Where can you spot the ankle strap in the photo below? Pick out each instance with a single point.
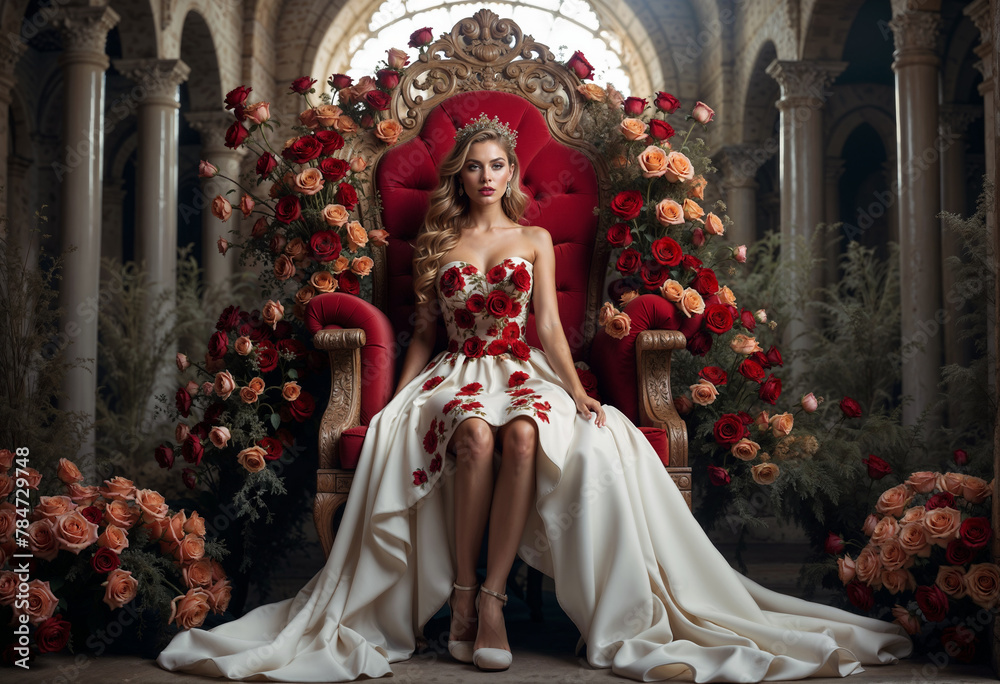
(502, 597)
(472, 588)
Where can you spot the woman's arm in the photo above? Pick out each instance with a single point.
(421, 346)
(549, 327)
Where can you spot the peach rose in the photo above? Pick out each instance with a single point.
(691, 302)
(951, 580)
(894, 500)
(221, 208)
(40, 604)
(982, 582)
(120, 514)
(653, 162)
(51, 507)
(323, 281)
(746, 450)
(328, 115)
(219, 594)
(672, 290)
(198, 574)
(345, 124)
(357, 236)
(340, 265)
(765, 473)
(869, 567)
(619, 326)
(182, 365)
(119, 488)
(693, 211)
(975, 489)
(284, 267)
(887, 528)
(195, 524)
(951, 483)
(290, 391)
(743, 344)
(224, 384)
(258, 112)
(82, 496)
(923, 481)
(388, 131)
(913, 537)
(305, 294)
(174, 529)
(379, 237)
(615, 98)
(702, 113)
(669, 213)
(362, 266)
(272, 313)
(893, 556)
(113, 538)
(6, 459)
(942, 525)
(906, 619)
(8, 587)
(679, 167)
(714, 226)
(246, 208)
(591, 91)
(252, 458)
(913, 514)
(782, 424)
(189, 610)
(308, 118)
(696, 188)
(633, 129)
(151, 504)
(358, 164)
(297, 250)
(898, 580)
(703, 393)
(191, 548)
(335, 214)
(607, 312)
(207, 389)
(243, 347)
(308, 182)
(627, 297)
(120, 588)
(219, 436)
(258, 385)
(74, 532)
(67, 472)
(42, 540)
(763, 421)
(726, 296)
(846, 569)
(248, 396)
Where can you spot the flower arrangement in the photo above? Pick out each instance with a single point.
(92, 551)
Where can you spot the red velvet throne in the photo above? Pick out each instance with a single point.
(487, 65)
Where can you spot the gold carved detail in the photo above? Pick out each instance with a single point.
(653, 350)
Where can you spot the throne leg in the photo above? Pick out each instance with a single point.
(332, 487)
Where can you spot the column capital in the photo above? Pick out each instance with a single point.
(804, 82)
(915, 33)
(84, 32)
(956, 118)
(158, 77)
(212, 125)
(740, 164)
(979, 12)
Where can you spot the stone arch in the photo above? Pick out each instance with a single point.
(198, 50)
(141, 37)
(958, 78)
(758, 98)
(856, 104)
(826, 24)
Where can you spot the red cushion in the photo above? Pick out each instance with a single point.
(560, 182)
(658, 439)
(334, 310)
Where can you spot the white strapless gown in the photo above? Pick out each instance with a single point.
(650, 594)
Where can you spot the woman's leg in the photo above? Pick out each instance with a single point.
(472, 443)
(512, 500)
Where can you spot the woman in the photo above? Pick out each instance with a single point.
(578, 493)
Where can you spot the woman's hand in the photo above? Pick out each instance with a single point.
(586, 404)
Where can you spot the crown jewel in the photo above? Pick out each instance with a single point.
(483, 122)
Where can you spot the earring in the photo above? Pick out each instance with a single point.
(508, 190)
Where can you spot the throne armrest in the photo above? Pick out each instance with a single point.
(653, 350)
(343, 411)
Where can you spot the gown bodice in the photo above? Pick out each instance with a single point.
(486, 313)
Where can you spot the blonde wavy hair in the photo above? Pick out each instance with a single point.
(449, 211)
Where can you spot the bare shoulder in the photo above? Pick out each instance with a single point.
(539, 238)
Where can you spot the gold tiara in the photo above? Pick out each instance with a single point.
(482, 123)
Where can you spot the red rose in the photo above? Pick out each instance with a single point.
(387, 79)
(228, 319)
(620, 235)
(378, 99)
(834, 544)
(190, 478)
(347, 195)
(760, 358)
(666, 251)
(666, 102)
(192, 449)
(511, 331)
(496, 274)
(747, 320)
(958, 553)
(419, 477)
(774, 356)
(499, 303)
(729, 429)
(464, 318)
(520, 350)
(700, 343)
(304, 149)
(517, 378)
(218, 345)
(52, 635)
(421, 37)
(719, 320)
(236, 134)
(287, 209)
(975, 532)
(660, 129)
(332, 169)
(340, 81)
(183, 401)
(654, 275)
(751, 370)
(579, 65)
(267, 356)
(705, 282)
(940, 500)
(331, 142)
(718, 476)
(627, 204)
(961, 457)
(92, 514)
(296, 347)
(266, 163)
(959, 641)
(303, 407)
(473, 347)
(851, 408)
(521, 279)
(861, 595)
(431, 439)
(475, 303)
(237, 96)
(770, 390)
(272, 448)
(432, 383)
(877, 468)
(714, 375)
(325, 245)
(691, 262)
(164, 456)
(213, 412)
(628, 262)
(697, 237)
(105, 560)
(933, 603)
(497, 347)
(348, 283)
(452, 281)
(302, 85)
(634, 106)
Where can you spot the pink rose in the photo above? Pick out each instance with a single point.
(40, 604)
(886, 529)
(258, 112)
(189, 610)
(923, 482)
(951, 580)
(42, 540)
(942, 525)
(702, 113)
(120, 588)
(224, 384)
(74, 532)
(68, 473)
(810, 403)
(869, 526)
(221, 208)
(906, 619)
(219, 436)
(894, 500)
(206, 169)
(846, 569)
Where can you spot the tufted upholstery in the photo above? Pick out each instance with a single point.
(561, 183)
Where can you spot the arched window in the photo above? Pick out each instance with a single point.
(563, 25)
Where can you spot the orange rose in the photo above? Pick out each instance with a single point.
(765, 473)
(713, 225)
(894, 500)
(309, 182)
(198, 573)
(691, 302)
(323, 281)
(40, 604)
(42, 540)
(898, 580)
(219, 594)
(619, 326)
(942, 525)
(290, 391)
(703, 393)
(113, 538)
(746, 450)
(120, 588)
(345, 124)
(388, 131)
(693, 211)
(191, 548)
(982, 582)
(308, 118)
(120, 514)
(305, 293)
(357, 236)
(379, 237)
(893, 556)
(83, 496)
(923, 482)
(975, 489)
(243, 347)
(221, 208)
(678, 167)
(195, 524)
(913, 537)
(328, 115)
(869, 567)
(284, 267)
(669, 213)
(628, 297)
(340, 265)
(869, 525)
(726, 296)
(272, 313)
(362, 266)
(174, 529)
(782, 424)
(951, 580)
(257, 385)
(224, 384)
(591, 92)
(914, 514)
(252, 458)
(358, 164)
(653, 162)
(742, 344)
(74, 532)
(51, 507)
(335, 214)
(118, 488)
(763, 421)
(6, 459)
(248, 396)
(68, 472)
(951, 483)
(906, 619)
(846, 569)
(607, 312)
(8, 587)
(696, 188)
(219, 436)
(633, 129)
(189, 610)
(297, 250)
(151, 504)
(615, 99)
(887, 528)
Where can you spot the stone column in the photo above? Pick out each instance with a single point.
(79, 170)
(890, 170)
(833, 169)
(739, 168)
(212, 127)
(111, 238)
(803, 92)
(10, 53)
(916, 66)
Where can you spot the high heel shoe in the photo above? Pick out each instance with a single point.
(461, 650)
(493, 659)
